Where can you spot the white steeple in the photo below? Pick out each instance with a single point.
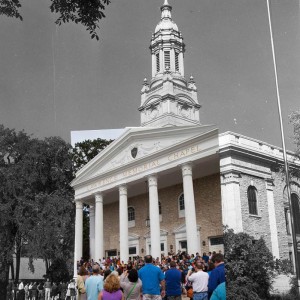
(168, 100)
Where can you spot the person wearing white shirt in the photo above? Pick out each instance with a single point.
(199, 280)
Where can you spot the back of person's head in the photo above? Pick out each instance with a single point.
(148, 259)
(106, 273)
(119, 270)
(217, 258)
(133, 275)
(173, 264)
(82, 271)
(199, 266)
(211, 266)
(95, 269)
(112, 283)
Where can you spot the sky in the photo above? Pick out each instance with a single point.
(56, 79)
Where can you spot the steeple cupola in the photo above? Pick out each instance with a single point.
(168, 100)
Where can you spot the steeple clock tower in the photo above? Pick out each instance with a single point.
(169, 99)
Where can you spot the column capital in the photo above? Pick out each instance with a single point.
(187, 169)
(230, 177)
(269, 184)
(79, 204)
(152, 180)
(99, 197)
(123, 189)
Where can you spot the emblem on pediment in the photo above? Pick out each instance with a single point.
(134, 152)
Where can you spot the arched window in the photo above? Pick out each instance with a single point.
(181, 202)
(131, 214)
(296, 212)
(252, 200)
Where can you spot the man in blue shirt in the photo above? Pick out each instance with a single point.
(153, 280)
(94, 284)
(217, 275)
(173, 282)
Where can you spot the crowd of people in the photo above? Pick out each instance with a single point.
(169, 278)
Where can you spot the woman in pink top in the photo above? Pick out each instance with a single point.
(111, 290)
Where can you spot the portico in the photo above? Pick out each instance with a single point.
(165, 157)
(166, 171)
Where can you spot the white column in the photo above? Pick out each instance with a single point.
(190, 211)
(92, 231)
(78, 234)
(123, 218)
(99, 237)
(272, 219)
(154, 217)
(231, 202)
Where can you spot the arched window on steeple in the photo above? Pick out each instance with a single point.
(176, 61)
(167, 60)
(157, 63)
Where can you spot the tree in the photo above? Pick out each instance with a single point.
(85, 12)
(36, 201)
(82, 153)
(85, 151)
(250, 267)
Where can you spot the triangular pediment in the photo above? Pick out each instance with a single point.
(136, 145)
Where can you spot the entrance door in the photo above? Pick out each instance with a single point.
(183, 245)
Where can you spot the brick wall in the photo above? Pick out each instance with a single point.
(208, 213)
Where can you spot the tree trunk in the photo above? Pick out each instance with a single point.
(18, 261)
(12, 269)
(46, 265)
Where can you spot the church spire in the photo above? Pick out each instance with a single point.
(168, 100)
(166, 10)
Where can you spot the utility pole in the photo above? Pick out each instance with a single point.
(295, 250)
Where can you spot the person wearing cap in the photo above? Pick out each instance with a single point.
(94, 284)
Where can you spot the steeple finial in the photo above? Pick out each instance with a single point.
(166, 10)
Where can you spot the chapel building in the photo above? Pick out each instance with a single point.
(156, 188)
(172, 183)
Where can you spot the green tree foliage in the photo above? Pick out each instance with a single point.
(85, 12)
(36, 200)
(250, 267)
(82, 153)
(58, 271)
(85, 151)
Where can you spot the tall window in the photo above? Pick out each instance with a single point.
(159, 207)
(252, 200)
(296, 212)
(157, 63)
(176, 61)
(181, 202)
(167, 60)
(287, 225)
(131, 214)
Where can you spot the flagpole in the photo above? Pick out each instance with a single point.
(296, 265)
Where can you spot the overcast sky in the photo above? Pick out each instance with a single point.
(55, 80)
